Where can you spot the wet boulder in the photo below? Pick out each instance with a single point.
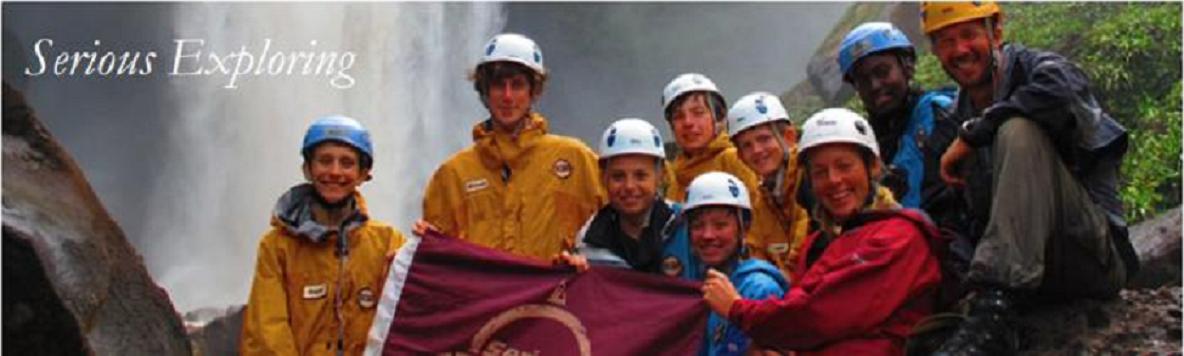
(73, 283)
(1157, 242)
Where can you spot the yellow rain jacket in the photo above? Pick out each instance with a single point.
(779, 227)
(298, 277)
(718, 156)
(527, 195)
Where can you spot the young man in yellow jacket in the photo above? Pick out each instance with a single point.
(695, 110)
(314, 291)
(518, 188)
(767, 142)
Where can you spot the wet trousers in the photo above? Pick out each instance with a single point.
(1044, 234)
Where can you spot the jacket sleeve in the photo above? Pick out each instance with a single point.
(669, 181)
(441, 203)
(598, 196)
(1043, 95)
(593, 194)
(842, 296)
(759, 287)
(265, 323)
(396, 241)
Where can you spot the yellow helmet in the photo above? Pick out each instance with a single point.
(938, 14)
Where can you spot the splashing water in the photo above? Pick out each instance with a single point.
(232, 152)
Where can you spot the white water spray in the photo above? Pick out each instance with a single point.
(233, 152)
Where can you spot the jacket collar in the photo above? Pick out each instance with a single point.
(499, 150)
(689, 166)
(294, 213)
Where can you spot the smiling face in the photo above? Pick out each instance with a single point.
(632, 183)
(964, 50)
(335, 171)
(839, 178)
(759, 149)
(881, 81)
(715, 234)
(693, 122)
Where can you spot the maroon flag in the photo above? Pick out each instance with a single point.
(445, 296)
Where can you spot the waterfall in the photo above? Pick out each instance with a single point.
(231, 152)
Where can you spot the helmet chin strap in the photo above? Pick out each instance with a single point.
(779, 180)
(994, 67)
(715, 119)
(741, 251)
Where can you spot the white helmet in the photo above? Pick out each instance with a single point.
(838, 125)
(755, 109)
(718, 189)
(512, 47)
(686, 83)
(626, 136)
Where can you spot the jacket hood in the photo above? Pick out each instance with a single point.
(293, 213)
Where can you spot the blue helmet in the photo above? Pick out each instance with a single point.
(341, 129)
(869, 38)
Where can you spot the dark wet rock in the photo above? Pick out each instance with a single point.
(1137, 322)
(215, 332)
(74, 285)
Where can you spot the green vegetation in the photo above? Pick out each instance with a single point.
(1132, 54)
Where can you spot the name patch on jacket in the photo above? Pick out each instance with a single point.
(316, 291)
(475, 185)
(778, 248)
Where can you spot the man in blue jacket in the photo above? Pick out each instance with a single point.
(878, 60)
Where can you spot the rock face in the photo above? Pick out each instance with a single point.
(74, 283)
(823, 70)
(215, 332)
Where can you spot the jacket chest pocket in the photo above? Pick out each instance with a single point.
(482, 211)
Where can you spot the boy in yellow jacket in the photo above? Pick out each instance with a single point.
(767, 142)
(695, 110)
(321, 268)
(518, 188)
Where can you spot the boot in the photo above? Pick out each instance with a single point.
(987, 329)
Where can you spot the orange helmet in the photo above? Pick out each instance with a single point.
(938, 14)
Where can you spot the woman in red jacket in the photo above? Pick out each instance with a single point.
(869, 274)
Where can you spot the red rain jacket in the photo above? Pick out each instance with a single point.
(861, 295)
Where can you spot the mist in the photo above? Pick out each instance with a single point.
(611, 60)
(191, 170)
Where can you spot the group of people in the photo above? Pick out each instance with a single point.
(840, 240)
